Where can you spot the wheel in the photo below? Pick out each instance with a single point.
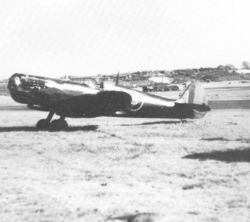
(58, 125)
(42, 124)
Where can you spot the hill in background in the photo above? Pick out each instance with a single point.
(179, 76)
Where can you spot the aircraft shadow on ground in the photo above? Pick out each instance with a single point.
(244, 140)
(156, 122)
(33, 129)
(229, 156)
(215, 139)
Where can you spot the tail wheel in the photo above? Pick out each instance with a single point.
(42, 124)
(58, 125)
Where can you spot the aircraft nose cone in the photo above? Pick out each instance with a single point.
(16, 88)
(14, 82)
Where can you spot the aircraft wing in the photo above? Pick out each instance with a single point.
(103, 103)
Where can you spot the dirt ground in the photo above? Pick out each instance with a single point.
(107, 167)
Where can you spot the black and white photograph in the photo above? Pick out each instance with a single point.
(124, 110)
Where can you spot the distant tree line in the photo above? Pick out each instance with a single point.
(141, 78)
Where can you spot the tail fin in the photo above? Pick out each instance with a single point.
(194, 94)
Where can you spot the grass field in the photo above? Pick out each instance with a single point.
(193, 171)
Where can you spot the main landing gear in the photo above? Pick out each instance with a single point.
(55, 125)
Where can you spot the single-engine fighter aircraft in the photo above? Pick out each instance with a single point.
(78, 100)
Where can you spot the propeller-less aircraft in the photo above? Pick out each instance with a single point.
(79, 100)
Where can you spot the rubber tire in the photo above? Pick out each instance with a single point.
(58, 125)
(42, 124)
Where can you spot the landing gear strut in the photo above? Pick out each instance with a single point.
(55, 125)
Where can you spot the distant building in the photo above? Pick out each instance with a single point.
(243, 71)
(161, 79)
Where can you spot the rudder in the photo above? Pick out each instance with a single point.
(194, 94)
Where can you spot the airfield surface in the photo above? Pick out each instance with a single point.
(105, 167)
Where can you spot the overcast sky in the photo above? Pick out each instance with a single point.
(87, 37)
